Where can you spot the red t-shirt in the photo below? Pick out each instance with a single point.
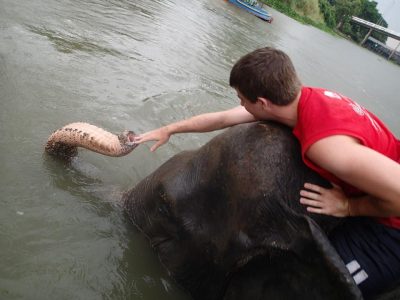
(322, 113)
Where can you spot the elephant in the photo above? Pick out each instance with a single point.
(226, 222)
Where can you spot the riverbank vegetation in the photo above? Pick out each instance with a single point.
(333, 15)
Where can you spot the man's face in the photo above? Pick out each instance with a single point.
(254, 108)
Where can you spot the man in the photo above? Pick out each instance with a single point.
(341, 141)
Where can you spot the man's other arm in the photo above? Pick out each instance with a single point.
(364, 168)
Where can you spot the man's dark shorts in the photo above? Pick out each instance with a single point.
(371, 252)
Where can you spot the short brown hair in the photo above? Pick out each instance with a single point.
(267, 73)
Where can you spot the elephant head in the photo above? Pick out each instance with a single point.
(226, 222)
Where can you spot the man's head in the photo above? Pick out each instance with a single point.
(267, 73)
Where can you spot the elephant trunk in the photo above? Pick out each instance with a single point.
(65, 141)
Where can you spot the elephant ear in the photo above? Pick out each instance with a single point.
(331, 260)
(307, 267)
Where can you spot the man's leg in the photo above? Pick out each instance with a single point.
(371, 252)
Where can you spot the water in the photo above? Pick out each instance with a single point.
(136, 65)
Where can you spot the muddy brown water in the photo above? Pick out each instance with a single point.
(135, 65)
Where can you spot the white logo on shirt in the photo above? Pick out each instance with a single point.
(357, 108)
(332, 95)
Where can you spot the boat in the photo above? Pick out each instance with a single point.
(254, 7)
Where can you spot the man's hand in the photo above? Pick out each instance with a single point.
(200, 123)
(324, 201)
(161, 135)
(364, 168)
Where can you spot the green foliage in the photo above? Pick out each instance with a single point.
(346, 28)
(329, 13)
(345, 9)
(288, 8)
(310, 9)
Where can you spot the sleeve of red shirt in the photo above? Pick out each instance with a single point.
(322, 116)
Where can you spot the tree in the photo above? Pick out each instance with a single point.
(345, 9)
(328, 11)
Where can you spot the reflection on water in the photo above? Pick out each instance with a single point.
(68, 44)
(127, 65)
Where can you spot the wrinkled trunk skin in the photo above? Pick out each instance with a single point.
(65, 141)
(226, 220)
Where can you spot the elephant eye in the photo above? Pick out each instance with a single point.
(163, 209)
(163, 196)
(164, 202)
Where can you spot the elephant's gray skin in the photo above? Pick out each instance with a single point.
(226, 220)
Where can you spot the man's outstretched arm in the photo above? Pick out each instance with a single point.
(200, 123)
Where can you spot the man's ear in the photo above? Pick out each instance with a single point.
(265, 103)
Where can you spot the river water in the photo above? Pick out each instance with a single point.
(127, 64)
